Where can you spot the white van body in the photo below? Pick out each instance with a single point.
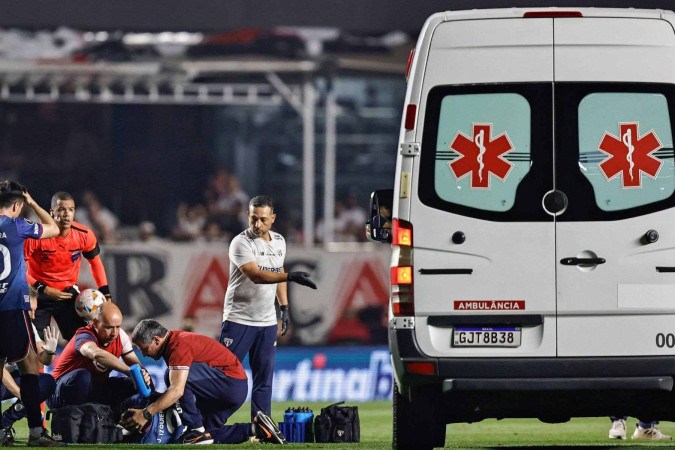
(535, 177)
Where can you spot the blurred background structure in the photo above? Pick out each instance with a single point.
(163, 129)
(164, 117)
(180, 128)
(174, 112)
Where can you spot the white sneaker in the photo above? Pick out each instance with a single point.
(618, 430)
(649, 434)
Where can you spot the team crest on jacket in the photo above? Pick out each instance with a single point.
(227, 342)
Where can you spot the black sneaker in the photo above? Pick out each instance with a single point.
(266, 430)
(195, 437)
(7, 437)
(44, 440)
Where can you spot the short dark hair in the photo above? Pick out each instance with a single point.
(260, 201)
(11, 192)
(146, 330)
(61, 195)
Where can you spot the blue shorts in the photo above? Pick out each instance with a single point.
(16, 335)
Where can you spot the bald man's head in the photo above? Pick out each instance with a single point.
(108, 310)
(107, 323)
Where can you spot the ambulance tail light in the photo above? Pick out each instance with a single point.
(410, 116)
(402, 233)
(402, 279)
(402, 303)
(401, 275)
(551, 14)
(411, 56)
(421, 368)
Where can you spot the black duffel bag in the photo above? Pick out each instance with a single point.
(337, 424)
(88, 423)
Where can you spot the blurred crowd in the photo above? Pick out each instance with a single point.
(222, 215)
(349, 221)
(218, 218)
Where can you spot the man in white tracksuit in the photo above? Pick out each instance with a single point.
(257, 277)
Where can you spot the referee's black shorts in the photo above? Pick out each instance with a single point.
(63, 312)
(16, 335)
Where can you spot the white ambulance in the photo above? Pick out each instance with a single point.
(533, 231)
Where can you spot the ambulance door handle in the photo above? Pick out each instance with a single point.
(580, 261)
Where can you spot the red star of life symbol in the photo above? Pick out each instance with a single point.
(481, 155)
(630, 155)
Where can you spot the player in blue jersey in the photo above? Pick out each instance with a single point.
(17, 342)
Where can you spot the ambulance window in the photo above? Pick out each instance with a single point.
(482, 149)
(626, 148)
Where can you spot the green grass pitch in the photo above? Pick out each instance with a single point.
(510, 433)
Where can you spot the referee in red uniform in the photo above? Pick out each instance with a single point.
(54, 268)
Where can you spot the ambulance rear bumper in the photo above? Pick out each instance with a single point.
(537, 374)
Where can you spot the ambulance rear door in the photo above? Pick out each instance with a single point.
(484, 246)
(615, 242)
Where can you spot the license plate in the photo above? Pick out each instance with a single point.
(486, 337)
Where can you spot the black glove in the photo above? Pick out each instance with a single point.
(152, 385)
(301, 278)
(285, 318)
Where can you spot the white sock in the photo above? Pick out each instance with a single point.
(200, 429)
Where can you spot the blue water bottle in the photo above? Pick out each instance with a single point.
(289, 415)
(286, 426)
(139, 382)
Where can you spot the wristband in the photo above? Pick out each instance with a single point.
(283, 307)
(39, 287)
(105, 290)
